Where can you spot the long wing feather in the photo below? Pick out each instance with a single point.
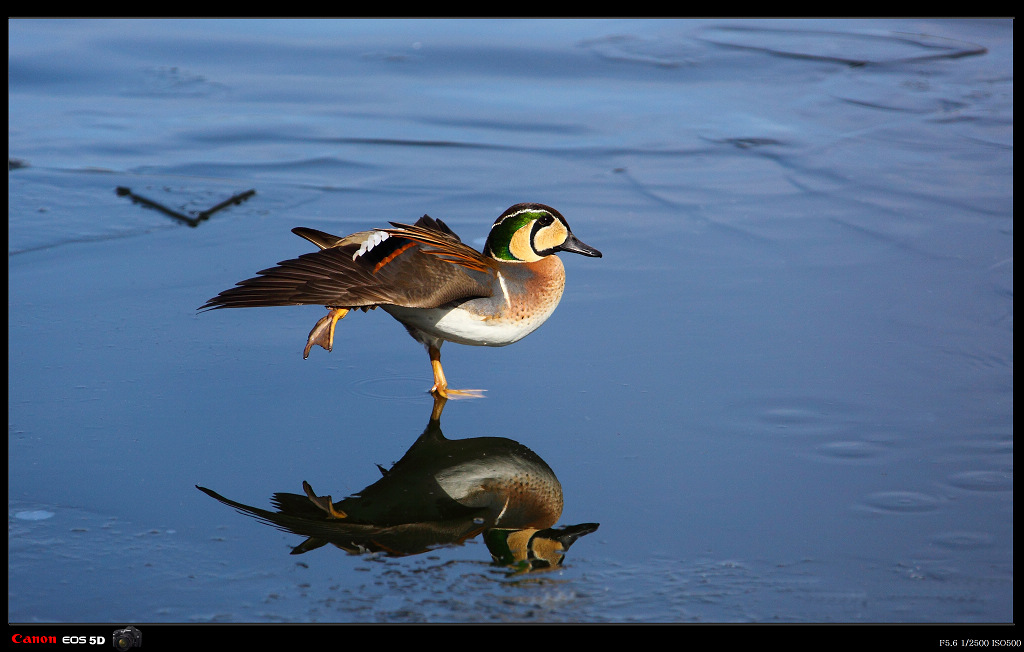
(424, 265)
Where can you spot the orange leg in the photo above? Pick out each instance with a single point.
(440, 387)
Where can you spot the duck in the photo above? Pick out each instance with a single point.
(442, 492)
(423, 275)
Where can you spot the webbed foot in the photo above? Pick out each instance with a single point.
(323, 502)
(323, 332)
(455, 394)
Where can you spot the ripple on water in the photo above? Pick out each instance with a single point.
(982, 480)
(671, 52)
(962, 540)
(854, 47)
(849, 450)
(901, 502)
(393, 388)
(34, 515)
(798, 415)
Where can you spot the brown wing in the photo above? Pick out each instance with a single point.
(443, 244)
(419, 266)
(297, 514)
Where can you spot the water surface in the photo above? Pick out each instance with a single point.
(785, 392)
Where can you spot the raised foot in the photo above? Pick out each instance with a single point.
(323, 502)
(323, 332)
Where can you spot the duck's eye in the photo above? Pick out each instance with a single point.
(546, 219)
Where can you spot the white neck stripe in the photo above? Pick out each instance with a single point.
(504, 290)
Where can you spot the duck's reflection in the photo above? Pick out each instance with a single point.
(441, 492)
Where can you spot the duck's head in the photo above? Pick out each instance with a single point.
(532, 549)
(525, 233)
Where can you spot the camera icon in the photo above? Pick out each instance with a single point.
(127, 638)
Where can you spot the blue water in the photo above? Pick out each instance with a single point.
(785, 392)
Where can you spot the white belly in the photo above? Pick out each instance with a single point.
(463, 326)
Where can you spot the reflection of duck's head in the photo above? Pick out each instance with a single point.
(441, 491)
(532, 549)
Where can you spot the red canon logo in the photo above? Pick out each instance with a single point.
(18, 638)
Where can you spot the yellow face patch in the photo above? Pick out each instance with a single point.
(527, 241)
(549, 550)
(520, 246)
(519, 543)
(550, 236)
